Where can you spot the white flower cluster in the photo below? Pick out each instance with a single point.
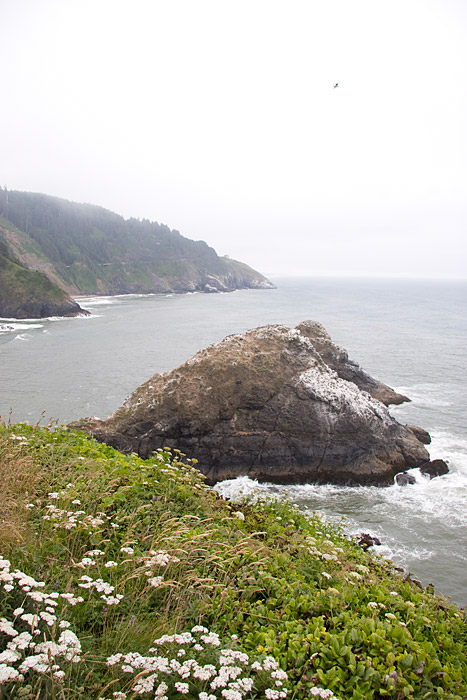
(102, 587)
(69, 519)
(231, 677)
(322, 693)
(33, 649)
(159, 558)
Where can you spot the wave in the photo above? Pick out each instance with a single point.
(84, 302)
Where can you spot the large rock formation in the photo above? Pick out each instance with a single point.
(277, 404)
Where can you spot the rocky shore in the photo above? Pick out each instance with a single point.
(277, 404)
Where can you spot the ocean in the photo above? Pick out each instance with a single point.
(410, 334)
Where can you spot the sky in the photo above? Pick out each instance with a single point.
(219, 118)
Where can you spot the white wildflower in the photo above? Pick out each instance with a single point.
(156, 581)
(183, 688)
(127, 550)
(8, 673)
(9, 656)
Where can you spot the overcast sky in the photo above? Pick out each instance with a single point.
(219, 118)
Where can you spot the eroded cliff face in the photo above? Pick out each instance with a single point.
(277, 404)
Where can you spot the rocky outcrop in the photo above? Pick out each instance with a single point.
(28, 293)
(40, 308)
(266, 404)
(337, 359)
(421, 434)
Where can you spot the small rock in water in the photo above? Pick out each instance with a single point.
(366, 540)
(405, 479)
(437, 467)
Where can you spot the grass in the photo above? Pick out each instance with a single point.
(133, 578)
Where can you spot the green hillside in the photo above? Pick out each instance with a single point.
(27, 293)
(90, 250)
(124, 578)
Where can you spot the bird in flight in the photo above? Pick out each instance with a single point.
(336, 85)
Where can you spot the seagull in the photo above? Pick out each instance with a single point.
(336, 85)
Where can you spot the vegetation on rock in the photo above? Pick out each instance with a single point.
(28, 293)
(122, 577)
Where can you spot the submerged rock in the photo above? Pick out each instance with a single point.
(277, 404)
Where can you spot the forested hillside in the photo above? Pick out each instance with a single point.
(87, 249)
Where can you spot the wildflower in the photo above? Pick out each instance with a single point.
(18, 611)
(110, 564)
(325, 574)
(390, 616)
(8, 673)
(64, 624)
(372, 604)
(393, 593)
(30, 619)
(354, 574)
(211, 638)
(145, 685)
(160, 691)
(182, 688)
(21, 641)
(76, 502)
(115, 659)
(9, 656)
(29, 505)
(127, 550)
(53, 495)
(363, 569)
(156, 581)
(238, 514)
(48, 618)
(112, 600)
(86, 561)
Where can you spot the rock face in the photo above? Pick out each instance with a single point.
(40, 308)
(277, 404)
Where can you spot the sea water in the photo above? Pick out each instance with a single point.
(410, 334)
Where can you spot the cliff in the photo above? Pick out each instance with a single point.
(86, 249)
(26, 293)
(277, 404)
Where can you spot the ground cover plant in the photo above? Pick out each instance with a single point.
(124, 578)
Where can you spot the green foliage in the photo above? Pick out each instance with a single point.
(94, 250)
(23, 285)
(284, 584)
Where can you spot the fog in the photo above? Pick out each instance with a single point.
(220, 119)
